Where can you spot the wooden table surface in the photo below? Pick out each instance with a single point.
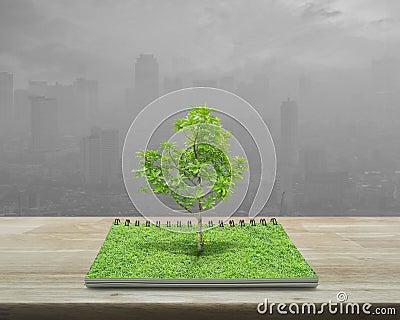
(44, 260)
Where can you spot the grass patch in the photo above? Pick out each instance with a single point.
(229, 253)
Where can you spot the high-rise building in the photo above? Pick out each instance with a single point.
(110, 155)
(6, 100)
(289, 133)
(91, 167)
(22, 110)
(44, 124)
(100, 157)
(77, 103)
(146, 80)
(68, 115)
(84, 105)
(85, 102)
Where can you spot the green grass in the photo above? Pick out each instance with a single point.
(229, 253)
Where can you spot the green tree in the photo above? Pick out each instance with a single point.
(200, 173)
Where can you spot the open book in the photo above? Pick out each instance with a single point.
(244, 254)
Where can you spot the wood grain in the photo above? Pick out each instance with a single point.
(44, 260)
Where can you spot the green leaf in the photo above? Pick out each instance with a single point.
(205, 147)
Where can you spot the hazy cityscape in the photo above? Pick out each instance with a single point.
(336, 130)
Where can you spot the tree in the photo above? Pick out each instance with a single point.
(200, 173)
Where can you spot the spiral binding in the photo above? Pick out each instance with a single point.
(168, 224)
(273, 220)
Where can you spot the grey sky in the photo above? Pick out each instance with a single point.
(58, 40)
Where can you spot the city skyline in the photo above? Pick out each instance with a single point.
(298, 175)
(324, 76)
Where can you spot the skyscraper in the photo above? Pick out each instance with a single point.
(289, 133)
(91, 159)
(146, 80)
(110, 155)
(22, 107)
(85, 103)
(44, 124)
(100, 157)
(67, 110)
(6, 100)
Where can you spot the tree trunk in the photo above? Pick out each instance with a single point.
(200, 243)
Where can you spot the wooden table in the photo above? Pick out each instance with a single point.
(43, 262)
